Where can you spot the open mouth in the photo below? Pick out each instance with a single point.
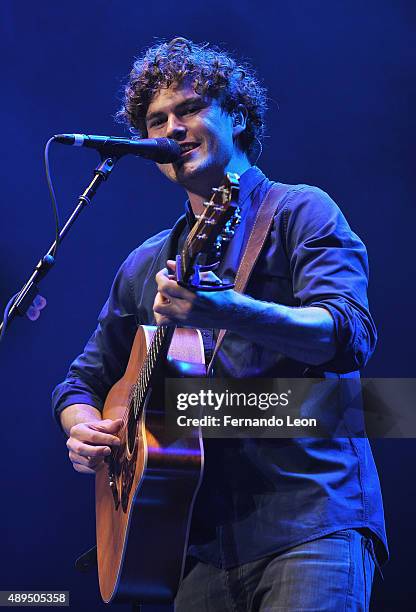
(187, 147)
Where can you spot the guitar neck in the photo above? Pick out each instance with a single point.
(156, 357)
(215, 218)
(159, 347)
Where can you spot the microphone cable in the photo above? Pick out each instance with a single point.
(57, 225)
(51, 190)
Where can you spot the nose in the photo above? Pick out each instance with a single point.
(175, 129)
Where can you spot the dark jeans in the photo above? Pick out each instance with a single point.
(330, 574)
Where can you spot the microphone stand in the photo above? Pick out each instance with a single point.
(24, 299)
(29, 291)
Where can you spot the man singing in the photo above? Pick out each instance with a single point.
(278, 524)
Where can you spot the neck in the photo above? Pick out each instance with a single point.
(201, 193)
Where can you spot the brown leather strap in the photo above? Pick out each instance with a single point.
(255, 243)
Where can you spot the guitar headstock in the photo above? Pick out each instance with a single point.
(209, 225)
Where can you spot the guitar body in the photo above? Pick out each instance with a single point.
(143, 516)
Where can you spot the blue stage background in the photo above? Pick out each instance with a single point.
(341, 79)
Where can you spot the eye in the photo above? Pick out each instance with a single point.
(157, 122)
(192, 108)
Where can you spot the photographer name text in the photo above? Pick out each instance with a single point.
(227, 420)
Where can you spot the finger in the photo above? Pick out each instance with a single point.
(161, 275)
(159, 318)
(164, 308)
(107, 425)
(95, 438)
(92, 434)
(208, 275)
(87, 450)
(82, 468)
(162, 320)
(91, 462)
(162, 300)
(170, 288)
(176, 312)
(168, 285)
(162, 280)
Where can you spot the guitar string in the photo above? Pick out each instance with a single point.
(147, 366)
(136, 400)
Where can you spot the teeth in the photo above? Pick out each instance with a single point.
(186, 148)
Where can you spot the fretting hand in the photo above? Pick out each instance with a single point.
(176, 305)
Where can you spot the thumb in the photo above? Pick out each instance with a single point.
(107, 425)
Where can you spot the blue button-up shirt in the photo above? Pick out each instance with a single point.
(260, 496)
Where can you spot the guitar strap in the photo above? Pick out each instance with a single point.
(254, 246)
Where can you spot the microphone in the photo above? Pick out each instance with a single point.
(160, 150)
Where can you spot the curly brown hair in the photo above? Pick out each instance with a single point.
(211, 71)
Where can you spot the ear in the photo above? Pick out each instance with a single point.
(239, 117)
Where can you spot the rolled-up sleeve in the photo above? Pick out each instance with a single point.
(105, 356)
(329, 269)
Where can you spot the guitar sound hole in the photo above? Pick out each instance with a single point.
(131, 433)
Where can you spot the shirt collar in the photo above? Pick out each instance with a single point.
(249, 180)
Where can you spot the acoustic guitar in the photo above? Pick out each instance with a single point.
(146, 489)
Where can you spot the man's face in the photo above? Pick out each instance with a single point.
(203, 130)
